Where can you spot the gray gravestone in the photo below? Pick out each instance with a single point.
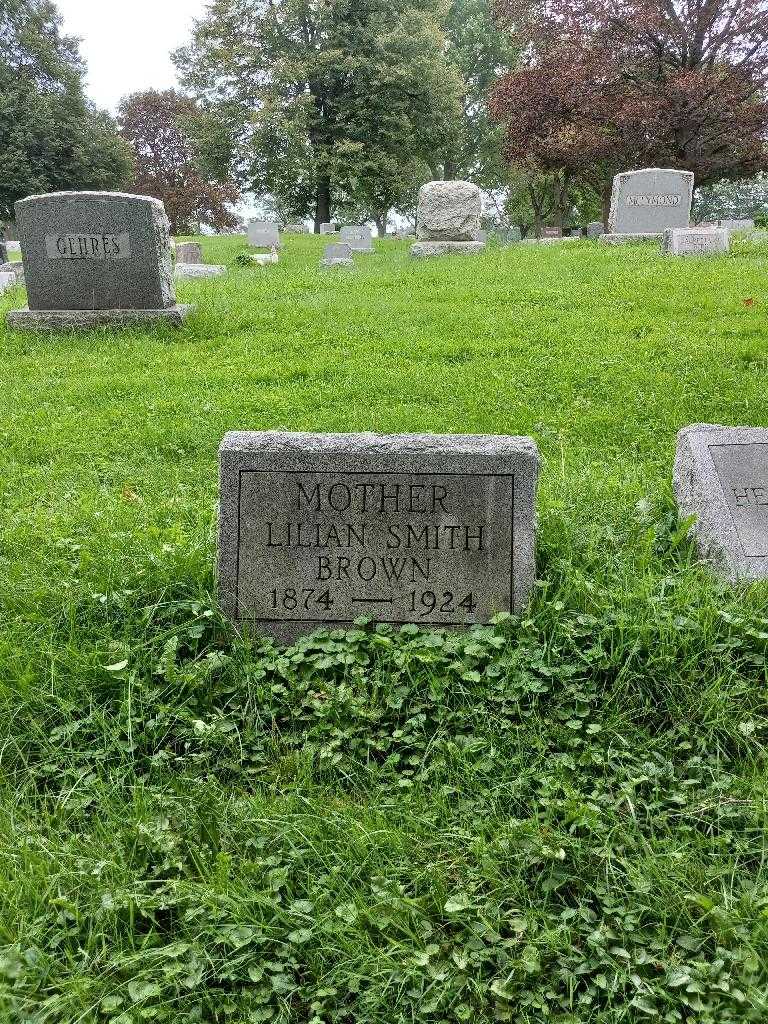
(644, 204)
(295, 229)
(337, 255)
(448, 219)
(721, 478)
(595, 229)
(358, 236)
(189, 252)
(696, 241)
(263, 234)
(318, 529)
(327, 229)
(94, 258)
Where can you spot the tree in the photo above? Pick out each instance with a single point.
(612, 84)
(51, 138)
(160, 128)
(480, 54)
(324, 103)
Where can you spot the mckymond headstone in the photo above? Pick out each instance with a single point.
(645, 203)
(316, 530)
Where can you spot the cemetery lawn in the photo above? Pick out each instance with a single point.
(560, 818)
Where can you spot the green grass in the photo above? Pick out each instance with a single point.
(560, 818)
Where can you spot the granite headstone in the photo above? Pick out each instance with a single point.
(358, 236)
(645, 203)
(696, 241)
(93, 258)
(189, 252)
(337, 255)
(263, 234)
(316, 530)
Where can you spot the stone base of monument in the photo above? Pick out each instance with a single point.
(638, 236)
(425, 250)
(85, 319)
(199, 270)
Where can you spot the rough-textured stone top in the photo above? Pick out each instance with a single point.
(721, 478)
(95, 250)
(449, 211)
(650, 200)
(318, 529)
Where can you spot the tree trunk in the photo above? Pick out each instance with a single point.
(380, 220)
(322, 203)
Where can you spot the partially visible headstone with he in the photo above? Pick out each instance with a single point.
(448, 219)
(645, 203)
(696, 241)
(316, 530)
(295, 229)
(327, 229)
(721, 480)
(595, 229)
(95, 258)
(263, 234)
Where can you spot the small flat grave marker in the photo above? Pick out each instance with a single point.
(696, 241)
(318, 529)
(721, 478)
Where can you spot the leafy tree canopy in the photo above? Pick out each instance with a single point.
(51, 138)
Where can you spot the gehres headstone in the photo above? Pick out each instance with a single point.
(644, 204)
(316, 530)
(721, 479)
(95, 258)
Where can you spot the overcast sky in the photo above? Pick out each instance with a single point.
(127, 45)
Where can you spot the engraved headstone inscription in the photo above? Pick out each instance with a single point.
(721, 479)
(316, 530)
(93, 258)
(645, 203)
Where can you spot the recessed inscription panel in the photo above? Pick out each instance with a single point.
(743, 473)
(653, 200)
(88, 247)
(398, 547)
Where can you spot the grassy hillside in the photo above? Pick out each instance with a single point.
(559, 818)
